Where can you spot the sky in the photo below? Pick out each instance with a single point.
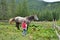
(51, 0)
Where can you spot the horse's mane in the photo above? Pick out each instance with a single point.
(30, 17)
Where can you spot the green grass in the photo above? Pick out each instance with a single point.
(43, 31)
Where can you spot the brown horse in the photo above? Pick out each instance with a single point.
(18, 20)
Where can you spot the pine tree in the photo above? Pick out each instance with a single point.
(25, 10)
(3, 9)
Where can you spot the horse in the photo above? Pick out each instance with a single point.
(18, 20)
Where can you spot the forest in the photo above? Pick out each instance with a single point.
(45, 11)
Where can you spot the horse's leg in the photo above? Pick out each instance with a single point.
(27, 26)
(17, 25)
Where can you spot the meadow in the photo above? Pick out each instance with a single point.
(36, 31)
(45, 11)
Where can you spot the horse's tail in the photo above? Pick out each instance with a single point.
(11, 20)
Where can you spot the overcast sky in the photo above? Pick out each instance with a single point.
(51, 0)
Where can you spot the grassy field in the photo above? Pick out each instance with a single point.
(36, 31)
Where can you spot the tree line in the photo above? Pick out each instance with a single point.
(10, 8)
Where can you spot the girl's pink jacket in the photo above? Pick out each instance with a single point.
(24, 25)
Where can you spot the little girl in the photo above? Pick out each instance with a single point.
(24, 27)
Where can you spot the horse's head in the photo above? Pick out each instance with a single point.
(35, 17)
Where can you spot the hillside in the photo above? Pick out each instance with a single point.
(35, 4)
(44, 10)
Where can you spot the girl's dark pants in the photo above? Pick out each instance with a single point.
(24, 31)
